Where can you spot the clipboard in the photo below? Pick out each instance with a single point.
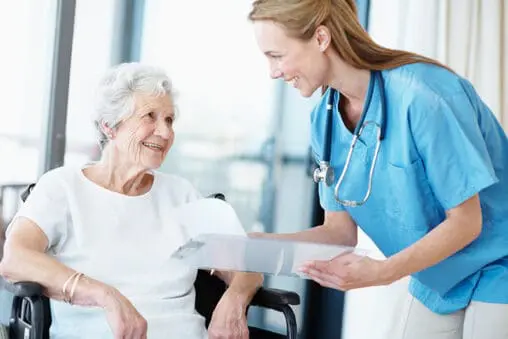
(262, 255)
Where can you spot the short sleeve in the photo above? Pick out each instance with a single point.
(46, 206)
(327, 198)
(450, 142)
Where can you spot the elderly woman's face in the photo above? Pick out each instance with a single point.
(146, 136)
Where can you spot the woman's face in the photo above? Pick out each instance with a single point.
(300, 63)
(144, 138)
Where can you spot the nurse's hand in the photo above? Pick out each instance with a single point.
(229, 318)
(348, 271)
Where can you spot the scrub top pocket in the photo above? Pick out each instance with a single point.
(412, 202)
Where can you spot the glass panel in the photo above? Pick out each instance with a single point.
(91, 56)
(224, 99)
(26, 40)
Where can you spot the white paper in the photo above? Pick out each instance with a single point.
(212, 216)
(209, 216)
(218, 241)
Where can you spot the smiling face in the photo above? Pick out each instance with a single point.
(145, 137)
(300, 63)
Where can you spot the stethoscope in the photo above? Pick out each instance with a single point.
(325, 172)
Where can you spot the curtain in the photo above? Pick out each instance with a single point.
(467, 35)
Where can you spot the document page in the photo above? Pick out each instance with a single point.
(218, 241)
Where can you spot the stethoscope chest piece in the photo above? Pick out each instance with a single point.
(324, 173)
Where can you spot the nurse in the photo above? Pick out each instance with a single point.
(433, 196)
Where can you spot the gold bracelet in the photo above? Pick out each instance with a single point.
(73, 288)
(64, 288)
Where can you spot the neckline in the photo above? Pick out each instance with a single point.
(366, 106)
(108, 191)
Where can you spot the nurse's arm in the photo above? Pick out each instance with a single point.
(338, 228)
(462, 225)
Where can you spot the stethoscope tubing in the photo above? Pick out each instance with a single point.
(327, 147)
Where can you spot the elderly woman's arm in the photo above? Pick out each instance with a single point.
(229, 316)
(241, 286)
(25, 260)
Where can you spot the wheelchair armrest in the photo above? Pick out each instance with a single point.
(280, 301)
(23, 288)
(219, 196)
(30, 311)
(26, 192)
(274, 298)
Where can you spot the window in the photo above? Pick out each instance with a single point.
(92, 53)
(224, 97)
(26, 39)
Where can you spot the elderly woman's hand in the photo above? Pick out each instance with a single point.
(229, 318)
(124, 320)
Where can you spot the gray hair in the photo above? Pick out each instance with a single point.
(115, 93)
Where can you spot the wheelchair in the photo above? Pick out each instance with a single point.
(31, 314)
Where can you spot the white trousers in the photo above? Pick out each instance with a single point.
(478, 321)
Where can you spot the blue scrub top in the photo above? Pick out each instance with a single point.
(442, 146)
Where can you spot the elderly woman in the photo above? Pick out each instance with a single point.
(99, 237)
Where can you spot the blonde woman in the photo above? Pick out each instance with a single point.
(419, 163)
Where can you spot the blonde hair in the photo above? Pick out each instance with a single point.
(301, 18)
